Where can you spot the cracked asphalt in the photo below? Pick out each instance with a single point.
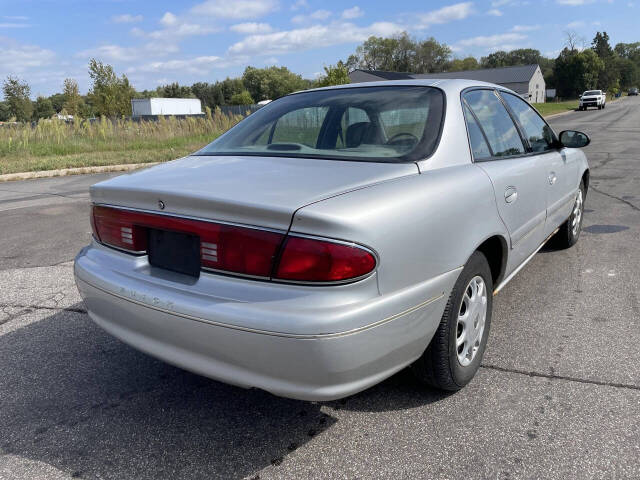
(558, 395)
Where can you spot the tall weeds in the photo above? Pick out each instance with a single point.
(53, 137)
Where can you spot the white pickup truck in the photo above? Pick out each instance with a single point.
(592, 98)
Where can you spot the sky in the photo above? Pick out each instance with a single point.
(159, 42)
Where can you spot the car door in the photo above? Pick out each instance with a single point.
(561, 165)
(518, 178)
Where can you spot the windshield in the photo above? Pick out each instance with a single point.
(379, 124)
(591, 92)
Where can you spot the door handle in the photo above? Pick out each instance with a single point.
(510, 195)
(552, 178)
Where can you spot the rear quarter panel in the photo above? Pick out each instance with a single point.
(420, 226)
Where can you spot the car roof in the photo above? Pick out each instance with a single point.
(449, 85)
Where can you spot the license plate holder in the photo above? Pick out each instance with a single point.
(174, 251)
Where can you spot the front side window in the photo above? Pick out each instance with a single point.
(384, 124)
(541, 137)
(496, 123)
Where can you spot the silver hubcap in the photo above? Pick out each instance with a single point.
(471, 320)
(576, 217)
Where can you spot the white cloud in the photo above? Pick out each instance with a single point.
(15, 17)
(297, 5)
(197, 65)
(353, 12)
(574, 3)
(576, 24)
(168, 19)
(495, 12)
(175, 27)
(317, 15)
(126, 18)
(14, 25)
(458, 11)
(525, 28)
(251, 28)
(235, 9)
(316, 36)
(505, 41)
(17, 58)
(117, 53)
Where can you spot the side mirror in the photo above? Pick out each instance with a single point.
(574, 139)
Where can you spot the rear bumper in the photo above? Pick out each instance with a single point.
(228, 342)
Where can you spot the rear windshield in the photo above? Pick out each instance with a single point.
(591, 92)
(378, 124)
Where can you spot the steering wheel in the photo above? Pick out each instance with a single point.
(411, 139)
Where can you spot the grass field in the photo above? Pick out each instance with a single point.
(54, 144)
(550, 108)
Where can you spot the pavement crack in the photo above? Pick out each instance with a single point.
(562, 377)
(635, 207)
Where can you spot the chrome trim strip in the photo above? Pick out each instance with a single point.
(269, 332)
(189, 217)
(528, 234)
(563, 203)
(521, 266)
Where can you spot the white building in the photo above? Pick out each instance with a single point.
(142, 107)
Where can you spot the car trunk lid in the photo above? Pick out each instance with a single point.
(262, 191)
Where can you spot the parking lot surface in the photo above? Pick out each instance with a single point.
(558, 395)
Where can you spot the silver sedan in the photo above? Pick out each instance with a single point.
(335, 237)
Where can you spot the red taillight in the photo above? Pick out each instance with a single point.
(223, 247)
(235, 249)
(311, 260)
(118, 229)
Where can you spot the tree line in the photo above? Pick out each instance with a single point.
(577, 68)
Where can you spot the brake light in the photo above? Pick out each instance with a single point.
(312, 260)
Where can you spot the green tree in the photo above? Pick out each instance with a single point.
(242, 98)
(574, 72)
(5, 113)
(431, 56)
(609, 77)
(458, 65)
(43, 108)
(400, 53)
(110, 95)
(334, 75)
(57, 100)
(16, 94)
(174, 90)
(72, 99)
(271, 82)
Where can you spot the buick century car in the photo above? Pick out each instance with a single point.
(335, 237)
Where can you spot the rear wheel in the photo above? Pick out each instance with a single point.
(569, 232)
(454, 355)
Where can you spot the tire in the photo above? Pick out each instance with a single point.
(569, 233)
(440, 365)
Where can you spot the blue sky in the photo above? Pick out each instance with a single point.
(158, 42)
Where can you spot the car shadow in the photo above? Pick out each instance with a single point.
(83, 402)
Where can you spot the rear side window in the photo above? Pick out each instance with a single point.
(540, 136)
(479, 146)
(496, 123)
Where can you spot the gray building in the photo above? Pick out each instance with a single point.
(527, 80)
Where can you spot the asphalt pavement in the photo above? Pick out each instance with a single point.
(558, 395)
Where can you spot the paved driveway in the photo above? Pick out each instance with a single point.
(558, 395)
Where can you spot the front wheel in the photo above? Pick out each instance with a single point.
(454, 355)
